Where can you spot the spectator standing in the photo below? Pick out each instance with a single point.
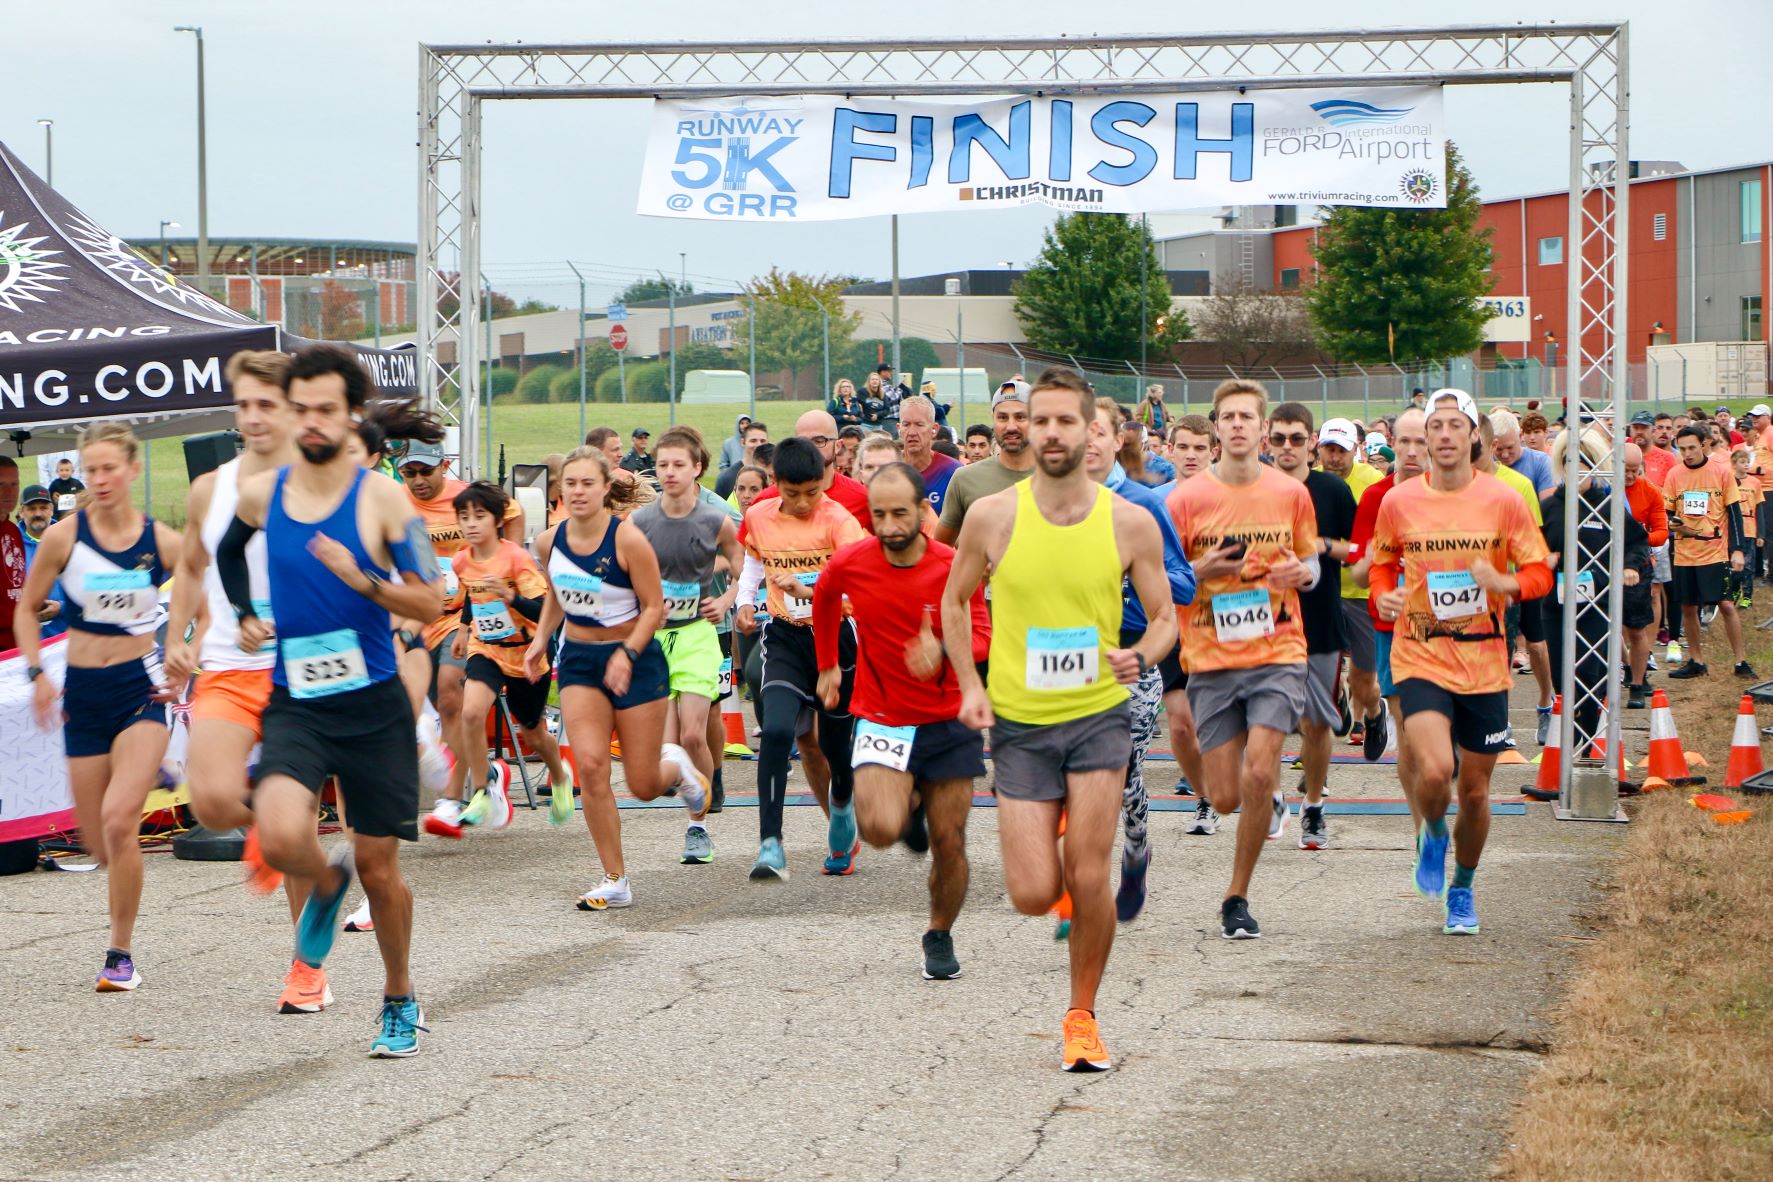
(844, 406)
(35, 514)
(1153, 414)
(637, 460)
(64, 488)
(732, 448)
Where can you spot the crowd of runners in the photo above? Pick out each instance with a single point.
(890, 608)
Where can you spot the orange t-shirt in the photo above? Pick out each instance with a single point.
(1749, 489)
(1451, 631)
(798, 546)
(1763, 457)
(500, 632)
(439, 516)
(1236, 621)
(1701, 498)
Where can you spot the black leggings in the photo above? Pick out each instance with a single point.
(780, 711)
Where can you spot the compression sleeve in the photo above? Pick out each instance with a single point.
(1316, 568)
(413, 553)
(230, 564)
(1737, 541)
(1536, 580)
(529, 608)
(750, 579)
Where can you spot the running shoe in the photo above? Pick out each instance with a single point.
(1690, 670)
(1462, 917)
(1314, 831)
(1083, 1043)
(445, 819)
(1650, 662)
(402, 1019)
(717, 794)
(939, 963)
(1673, 653)
(434, 764)
(1183, 787)
(1707, 615)
(1744, 669)
(1431, 863)
(1520, 663)
(1344, 710)
(1129, 897)
(1639, 697)
(1277, 816)
(610, 894)
(118, 975)
(1662, 636)
(1206, 821)
(318, 926)
(560, 800)
(304, 990)
(1375, 736)
(1544, 733)
(917, 830)
(772, 862)
(1357, 736)
(498, 795)
(261, 879)
(691, 787)
(1235, 920)
(698, 846)
(842, 840)
(478, 809)
(361, 920)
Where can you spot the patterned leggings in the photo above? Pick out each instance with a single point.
(1146, 701)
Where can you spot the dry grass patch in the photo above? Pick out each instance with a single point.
(1662, 1064)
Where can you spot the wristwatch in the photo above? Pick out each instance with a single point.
(33, 672)
(633, 656)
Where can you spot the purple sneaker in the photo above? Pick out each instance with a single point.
(118, 975)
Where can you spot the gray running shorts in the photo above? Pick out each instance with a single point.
(1228, 702)
(1320, 688)
(1031, 762)
(1357, 626)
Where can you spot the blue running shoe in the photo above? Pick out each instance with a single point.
(841, 839)
(402, 1019)
(319, 924)
(1062, 933)
(1129, 898)
(1461, 912)
(772, 862)
(1431, 864)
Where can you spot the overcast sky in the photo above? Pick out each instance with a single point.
(312, 124)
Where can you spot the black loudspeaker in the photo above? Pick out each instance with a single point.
(206, 453)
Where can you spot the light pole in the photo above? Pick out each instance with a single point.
(1551, 359)
(48, 126)
(895, 297)
(202, 168)
(164, 226)
(671, 332)
(951, 287)
(575, 271)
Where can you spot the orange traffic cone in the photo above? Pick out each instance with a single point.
(1668, 762)
(732, 717)
(1745, 746)
(1597, 748)
(1551, 757)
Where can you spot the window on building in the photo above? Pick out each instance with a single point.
(1751, 318)
(1289, 278)
(1551, 251)
(1751, 210)
(1659, 227)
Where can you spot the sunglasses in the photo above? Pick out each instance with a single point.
(1280, 439)
(418, 469)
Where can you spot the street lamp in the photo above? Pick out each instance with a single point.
(202, 168)
(48, 126)
(1551, 359)
(951, 288)
(164, 226)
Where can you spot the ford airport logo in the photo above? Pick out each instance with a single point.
(1345, 112)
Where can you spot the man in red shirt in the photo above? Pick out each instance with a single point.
(1410, 441)
(1644, 499)
(906, 703)
(821, 429)
(12, 550)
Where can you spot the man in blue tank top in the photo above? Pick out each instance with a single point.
(345, 554)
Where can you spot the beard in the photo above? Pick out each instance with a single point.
(1063, 465)
(320, 453)
(1013, 445)
(898, 545)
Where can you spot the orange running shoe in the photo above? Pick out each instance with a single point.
(305, 990)
(261, 879)
(1083, 1043)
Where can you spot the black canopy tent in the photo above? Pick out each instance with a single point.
(90, 330)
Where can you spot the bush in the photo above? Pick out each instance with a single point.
(608, 387)
(565, 386)
(649, 381)
(533, 386)
(503, 382)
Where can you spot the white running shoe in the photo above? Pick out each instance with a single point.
(360, 920)
(434, 763)
(1206, 821)
(445, 819)
(611, 892)
(1277, 817)
(498, 815)
(692, 789)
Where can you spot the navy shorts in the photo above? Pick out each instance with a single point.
(100, 704)
(946, 750)
(582, 664)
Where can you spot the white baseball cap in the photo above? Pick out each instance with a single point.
(1760, 408)
(1462, 402)
(1340, 432)
(1375, 441)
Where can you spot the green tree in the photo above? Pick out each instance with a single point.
(649, 381)
(1402, 284)
(656, 288)
(533, 385)
(1082, 295)
(609, 385)
(790, 310)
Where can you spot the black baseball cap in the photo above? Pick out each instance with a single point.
(641, 433)
(33, 493)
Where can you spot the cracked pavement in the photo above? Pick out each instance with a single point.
(721, 1029)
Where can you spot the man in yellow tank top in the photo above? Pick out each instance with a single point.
(1057, 547)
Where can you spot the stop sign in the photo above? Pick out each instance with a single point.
(618, 337)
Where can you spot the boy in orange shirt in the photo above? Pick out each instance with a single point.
(1748, 487)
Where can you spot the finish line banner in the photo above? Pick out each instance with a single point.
(822, 158)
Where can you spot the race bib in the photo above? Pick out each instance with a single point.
(1062, 658)
(1454, 595)
(65, 502)
(323, 665)
(802, 609)
(580, 595)
(1584, 587)
(726, 677)
(683, 602)
(1694, 504)
(262, 609)
(451, 584)
(889, 746)
(1243, 615)
(118, 597)
(492, 620)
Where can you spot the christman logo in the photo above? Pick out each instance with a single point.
(1417, 186)
(25, 270)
